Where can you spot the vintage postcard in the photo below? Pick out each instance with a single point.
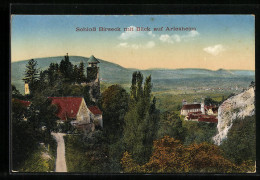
(133, 94)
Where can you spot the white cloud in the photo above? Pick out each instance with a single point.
(135, 34)
(150, 33)
(149, 44)
(130, 34)
(193, 34)
(214, 50)
(166, 38)
(177, 38)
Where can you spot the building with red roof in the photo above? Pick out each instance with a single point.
(74, 109)
(209, 119)
(186, 108)
(70, 107)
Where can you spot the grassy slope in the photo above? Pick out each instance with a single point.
(36, 163)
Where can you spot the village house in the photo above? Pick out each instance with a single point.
(75, 110)
(199, 112)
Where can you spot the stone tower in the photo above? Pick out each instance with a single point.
(93, 79)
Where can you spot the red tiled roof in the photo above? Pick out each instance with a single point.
(212, 119)
(68, 107)
(191, 106)
(95, 110)
(199, 112)
(24, 103)
(194, 116)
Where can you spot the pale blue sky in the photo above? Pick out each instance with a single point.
(220, 41)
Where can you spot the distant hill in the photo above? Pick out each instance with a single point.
(114, 73)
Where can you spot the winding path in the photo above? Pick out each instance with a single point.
(60, 159)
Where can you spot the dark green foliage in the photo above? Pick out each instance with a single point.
(27, 134)
(16, 93)
(64, 80)
(171, 125)
(31, 74)
(42, 113)
(87, 154)
(240, 144)
(24, 141)
(86, 95)
(209, 101)
(96, 91)
(141, 120)
(81, 74)
(114, 105)
(66, 68)
(199, 132)
(76, 73)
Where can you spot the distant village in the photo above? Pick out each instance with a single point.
(199, 112)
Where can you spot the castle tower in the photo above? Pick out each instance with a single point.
(202, 106)
(93, 78)
(92, 69)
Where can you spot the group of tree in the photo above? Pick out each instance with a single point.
(171, 124)
(240, 144)
(31, 125)
(57, 77)
(208, 101)
(171, 156)
(141, 119)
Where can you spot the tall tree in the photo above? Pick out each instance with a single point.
(66, 68)
(76, 74)
(53, 73)
(31, 74)
(141, 119)
(81, 72)
(133, 87)
(114, 104)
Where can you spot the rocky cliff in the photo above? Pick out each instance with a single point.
(238, 106)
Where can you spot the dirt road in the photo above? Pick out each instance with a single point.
(60, 159)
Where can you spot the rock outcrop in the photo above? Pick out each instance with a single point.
(238, 106)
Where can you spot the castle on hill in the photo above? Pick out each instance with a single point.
(92, 79)
(75, 109)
